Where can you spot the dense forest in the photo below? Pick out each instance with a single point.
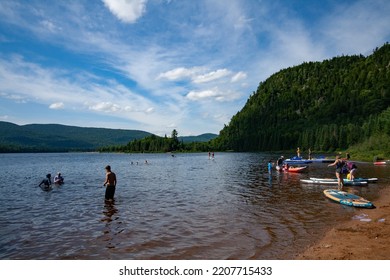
(327, 106)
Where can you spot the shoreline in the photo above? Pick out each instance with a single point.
(366, 238)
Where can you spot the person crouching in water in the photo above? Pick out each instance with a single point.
(352, 170)
(110, 183)
(46, 182)
(58, 179)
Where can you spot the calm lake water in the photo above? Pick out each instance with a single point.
(183, 207)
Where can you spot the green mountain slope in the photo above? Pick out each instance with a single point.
(54, 137)
(325, 105)
(200, 138)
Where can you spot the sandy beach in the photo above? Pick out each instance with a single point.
(366, 237)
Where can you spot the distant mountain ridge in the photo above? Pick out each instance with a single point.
(61, 138)
(200, 138)
(64, 138)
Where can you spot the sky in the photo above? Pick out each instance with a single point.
(159, 65)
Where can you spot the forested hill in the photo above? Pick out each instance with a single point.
(326, 106)
(61, 138)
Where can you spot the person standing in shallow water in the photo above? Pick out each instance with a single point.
(110, 183)
(339, 163)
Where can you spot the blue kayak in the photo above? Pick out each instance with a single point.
(297, 160)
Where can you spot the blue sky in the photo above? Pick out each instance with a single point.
(159, 65)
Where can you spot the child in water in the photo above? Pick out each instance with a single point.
(270, 167)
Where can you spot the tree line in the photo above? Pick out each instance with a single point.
(157, 144)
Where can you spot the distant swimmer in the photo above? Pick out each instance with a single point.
(110, 183)
(58, 179)
(46, 182)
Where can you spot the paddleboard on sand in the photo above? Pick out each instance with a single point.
(348, 199)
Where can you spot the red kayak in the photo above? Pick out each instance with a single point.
(292, 169)
(380, 162)
(296, 169)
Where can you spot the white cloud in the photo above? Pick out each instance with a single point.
(56, 106)
(193, 73)
(106, 107)
(238, 77)
(179, 73)
(211, 76)
(50, 26)
(203, 94)
(149, 110)
(126, 10)
(216, 94)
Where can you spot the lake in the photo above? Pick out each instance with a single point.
(181, 207)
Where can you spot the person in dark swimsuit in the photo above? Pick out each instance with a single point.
(110, 183)
(339, 163)
(46, 182)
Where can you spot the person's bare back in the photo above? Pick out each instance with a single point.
(110, 177)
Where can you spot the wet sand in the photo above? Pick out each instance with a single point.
(367, 238)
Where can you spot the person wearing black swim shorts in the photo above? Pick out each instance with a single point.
(110, 183)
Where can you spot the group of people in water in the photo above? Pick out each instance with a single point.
(109, 183)
(46, 183)
(343, 166)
